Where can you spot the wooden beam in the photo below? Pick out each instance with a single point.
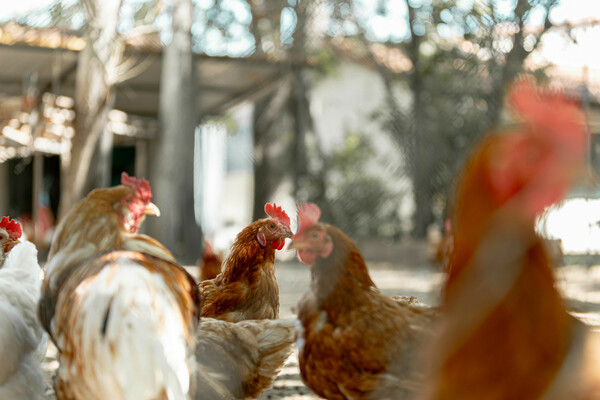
(255, 92)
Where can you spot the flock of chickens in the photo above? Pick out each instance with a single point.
(130, 323)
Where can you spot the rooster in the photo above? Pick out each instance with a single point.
(505, 333)
(240, 360)
(246, 288)
(121, 311)
(210, 264)
(107, 219)
(22, 339)
(353, 342)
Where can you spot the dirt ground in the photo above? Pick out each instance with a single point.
(579, 285)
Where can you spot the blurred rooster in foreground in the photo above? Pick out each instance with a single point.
(505, 333)
(123, 321)
(353, 342)
(246, 288)
(210, 263)
(22, 339)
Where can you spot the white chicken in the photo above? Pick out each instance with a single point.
(123, 321)
(22, 339)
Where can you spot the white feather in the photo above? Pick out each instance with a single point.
(300, 341)
(22, 339)
(143, 349)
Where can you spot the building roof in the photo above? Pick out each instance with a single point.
(51, 53)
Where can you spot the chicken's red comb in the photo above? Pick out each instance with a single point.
(276, 212)
(550, 116)
(141, 187)
(545, 154)
(208, 250)
(12, 227)
(308, 215)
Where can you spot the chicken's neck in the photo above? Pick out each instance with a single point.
(247, 258)
(341, 281)
(146, 244)
(523, 326)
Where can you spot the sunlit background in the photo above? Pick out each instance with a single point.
(366, 107)
(327, 101)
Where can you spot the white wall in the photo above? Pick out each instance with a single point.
(346, 101)
(227, 176)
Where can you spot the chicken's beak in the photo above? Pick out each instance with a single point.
(288, 234)
(152, 209)
(295, 244)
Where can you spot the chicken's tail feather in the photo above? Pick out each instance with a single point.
(130, 323)
(275, 343)
(245, 357)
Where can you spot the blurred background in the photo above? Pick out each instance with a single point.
(366, 107)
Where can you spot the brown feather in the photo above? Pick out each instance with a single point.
(356, 343)
(246, 288)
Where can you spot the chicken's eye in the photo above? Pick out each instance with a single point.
(271, 226)
(315, 235)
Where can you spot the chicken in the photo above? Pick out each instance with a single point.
(210, 264)
(246, 288)
(121, 312)
(10, 232)
(241, 360)
(505, 333)
(22, 339)
(107, 219)
(353, 342)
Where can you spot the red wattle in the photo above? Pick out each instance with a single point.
(307, 257)
(278, 244)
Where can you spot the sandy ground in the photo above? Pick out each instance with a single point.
(580, 286)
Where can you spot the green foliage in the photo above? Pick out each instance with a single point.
(358, 194)
(465, 55)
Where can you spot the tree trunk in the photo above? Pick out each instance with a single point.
(270, 165)
(172, 158)
(419, 159)
(515, 58)
(263, 185)
(299, 100)
(94, 98)
(302, 126)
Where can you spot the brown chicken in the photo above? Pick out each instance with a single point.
(246, 288)
(210, 263)
(124, 322)
(353, 342)
(505, 333)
